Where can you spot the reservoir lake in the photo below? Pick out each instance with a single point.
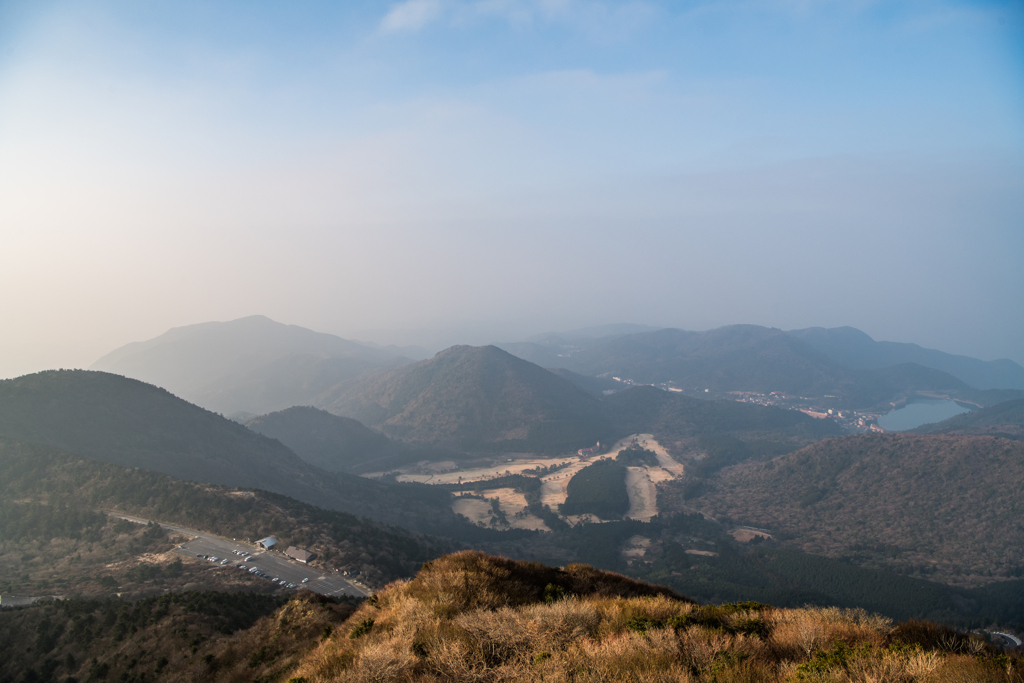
(919, 411)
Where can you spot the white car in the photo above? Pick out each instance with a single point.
(305, 581)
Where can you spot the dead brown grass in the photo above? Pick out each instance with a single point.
(478, 619)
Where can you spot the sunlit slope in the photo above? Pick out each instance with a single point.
(474, 398)
(473, 617)
(941, 507)
(250, 365)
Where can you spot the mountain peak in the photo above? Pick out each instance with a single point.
(471, 398)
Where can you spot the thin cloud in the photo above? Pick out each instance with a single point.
(410, 16)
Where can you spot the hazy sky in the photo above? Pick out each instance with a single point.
(506, 167)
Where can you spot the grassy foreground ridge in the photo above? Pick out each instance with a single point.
(474, 617)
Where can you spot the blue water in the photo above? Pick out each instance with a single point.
(919, 411)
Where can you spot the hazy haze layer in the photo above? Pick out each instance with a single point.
(447, 171)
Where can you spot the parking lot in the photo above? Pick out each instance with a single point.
(272, 563)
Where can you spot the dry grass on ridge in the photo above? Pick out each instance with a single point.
(471, 617)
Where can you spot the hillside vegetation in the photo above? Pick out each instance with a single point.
(696, 427)
(472, 617)
(942, 507)
(474, 398)
(191, 636)
(1003, 419)
(339, 444)
(110, 418)
(738, 358)
(61, 493)
(598, 489)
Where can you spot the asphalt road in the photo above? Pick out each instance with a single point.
(272, 563)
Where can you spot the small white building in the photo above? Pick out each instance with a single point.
(267, 543)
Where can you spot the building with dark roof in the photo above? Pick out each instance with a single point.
(300, 554)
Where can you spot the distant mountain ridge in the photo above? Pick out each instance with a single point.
(255, 366)
(252, 364)
(733, 358)
(858, 351)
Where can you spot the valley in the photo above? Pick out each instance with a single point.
(718, 496)
(501, 341)
(553, 473)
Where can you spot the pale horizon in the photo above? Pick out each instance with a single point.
(485, 171)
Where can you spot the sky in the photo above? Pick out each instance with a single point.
(443, 171)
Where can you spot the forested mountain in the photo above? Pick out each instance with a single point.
(180, 636)
(339, 444)
(110, 418)
(733, 358)
(106, 417)
(474, 398)
(738, 357)
(856, 350)
(250, 365)
(71, 488)
(944, 507)
(1003, 419)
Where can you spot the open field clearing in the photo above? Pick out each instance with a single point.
(553, 491)
(475, 510)
(643, 496)
(431, 473)
(636, 547)
(511, 502)
(641, 482)
(667, 462)
(744, 535)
